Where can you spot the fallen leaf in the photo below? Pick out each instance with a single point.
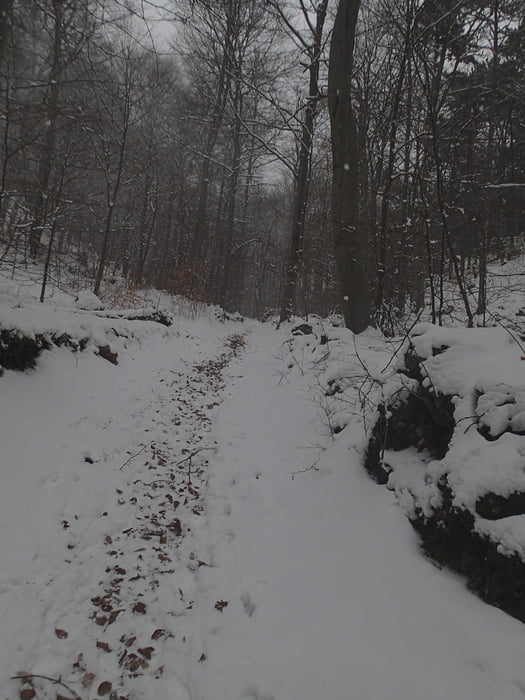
(128, 641)
(104, 645)
(61, 634)
(146, 652)
(158, 633)
(27, 693)
(88, 679)
(139, 607)
(80, 661)
(133, 662)
(113, 616)
(104, 688)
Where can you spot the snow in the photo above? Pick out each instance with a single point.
(88, 301)
(482, 370)
(283, 572)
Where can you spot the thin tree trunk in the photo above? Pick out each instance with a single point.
(296, 251)
(112, 194)
(232, 201)
(51, 116)
(147, 243)
(217, 117)
(385, 203)
(6, 13)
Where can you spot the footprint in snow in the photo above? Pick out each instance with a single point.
(248, 605)
(252, 693)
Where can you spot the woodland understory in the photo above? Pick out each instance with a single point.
(185, 146)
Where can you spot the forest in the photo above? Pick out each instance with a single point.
(262, 343)
(185, 145)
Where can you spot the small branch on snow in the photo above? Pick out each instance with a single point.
(189, 457)
(55, 681)
(312, 468)
(131, 457)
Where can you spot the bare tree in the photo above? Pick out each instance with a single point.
(350, 248)
(312, 47)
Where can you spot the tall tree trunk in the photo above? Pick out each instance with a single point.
(232, 201)
(216, 120)
(387, 190)
(112, 192)
(49, 140)
(349, 247)
(295, 255)
(6, 13)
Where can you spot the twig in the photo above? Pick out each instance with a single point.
(131, 457)
(312, 468)
(405, 337)
(505, 328)
(56, 681)
(190, 457)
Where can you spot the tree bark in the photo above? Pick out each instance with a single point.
(295, 255)
(50, 136)
(6, 12)
(349, 247)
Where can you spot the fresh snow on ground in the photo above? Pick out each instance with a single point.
(184, 526)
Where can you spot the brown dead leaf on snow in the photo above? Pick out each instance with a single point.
(61, 634)
(27, 693)
(104, 688)
(140, 608)
(113, 616)
(104, 645)
(134, 662)
(128, 641)
(146, 652)
(87, 679)
(158, 633)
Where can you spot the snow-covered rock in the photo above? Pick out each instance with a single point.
(450, 441)
(87, 301)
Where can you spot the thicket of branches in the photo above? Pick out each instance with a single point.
(204, 167)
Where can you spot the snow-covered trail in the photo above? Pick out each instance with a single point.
(182, 539)
(318, 589)
(101, 514)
